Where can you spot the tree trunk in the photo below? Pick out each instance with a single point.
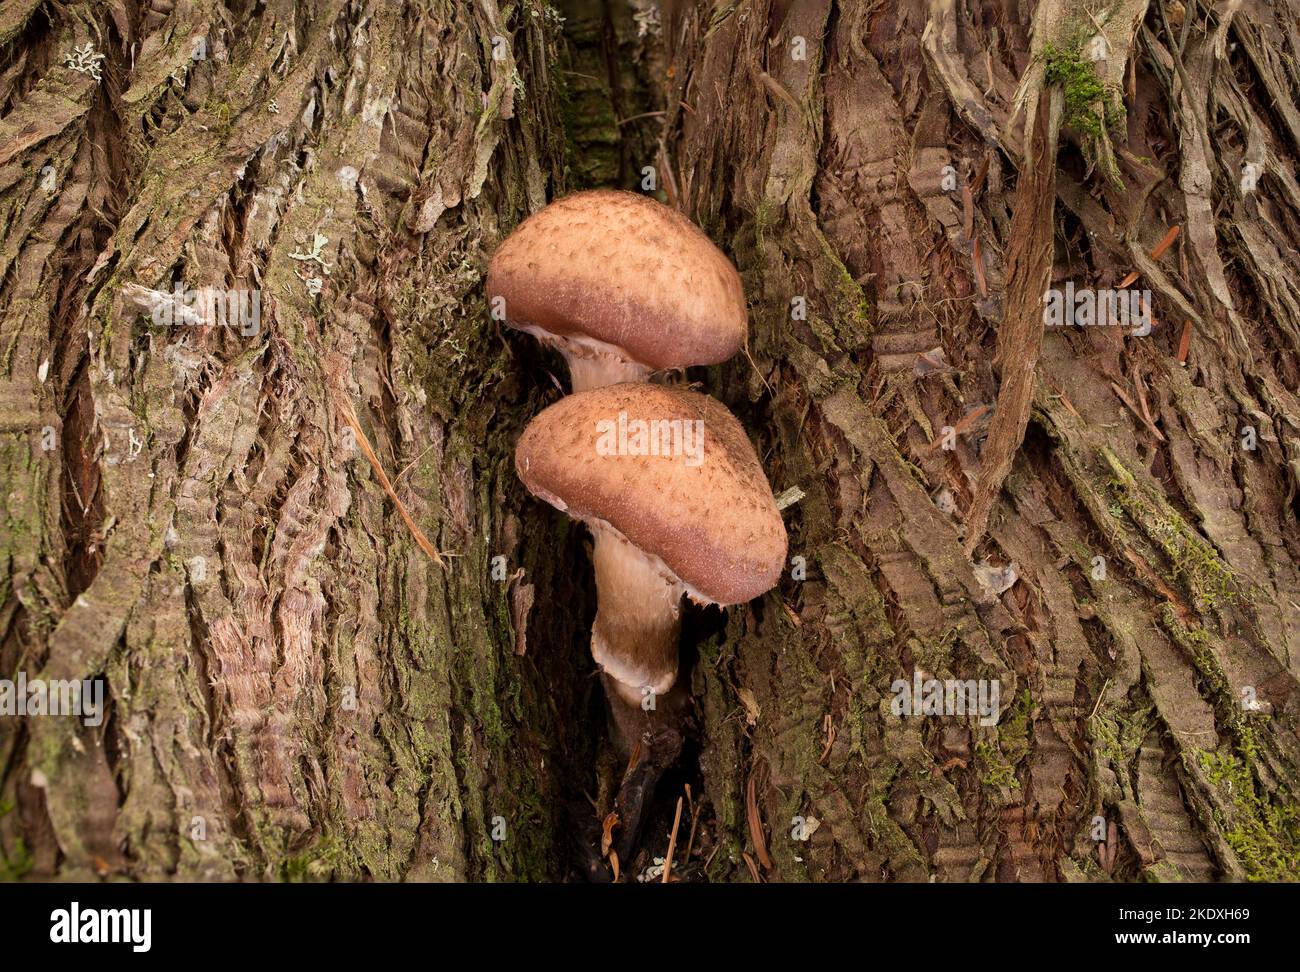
(339, 641)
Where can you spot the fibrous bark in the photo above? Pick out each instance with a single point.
(298, 689)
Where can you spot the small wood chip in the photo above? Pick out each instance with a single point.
(521, 603)
(789, 497)
(963, 424)
(607, 835)
(1165, 242)
(794, 618)
(981, 174)
(977, 258)
(756, 823)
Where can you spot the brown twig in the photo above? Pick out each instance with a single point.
(411, 465)
(828, 726)
(695, 819)
(644, 114)
(779, 90)
(1140, 387)
(607, 834)
(672, 841)
(1119, 392)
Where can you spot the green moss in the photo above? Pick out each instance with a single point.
(997, 761)
(1117, 734)
(1262, 827)
(720, 754)
(850, 310)
(995, 770)
(1196, 642)
(1091, 109)
(585, 105)
(885, 832)
(1013, 732)
(318, 862)
(15, 863)
(1263, 832)
(1087, 104)
(1163, 872)
(1194, 562)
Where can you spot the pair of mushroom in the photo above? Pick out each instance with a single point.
(665, 479)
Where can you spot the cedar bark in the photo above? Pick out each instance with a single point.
(298, 691)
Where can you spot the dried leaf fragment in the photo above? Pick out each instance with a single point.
(752, 709)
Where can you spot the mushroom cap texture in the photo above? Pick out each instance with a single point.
(621, 268)
(713, 523)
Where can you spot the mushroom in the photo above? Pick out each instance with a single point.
(621, 285)
(677, 503)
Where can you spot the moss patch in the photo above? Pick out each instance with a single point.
(1264, 833)
(1089, 108)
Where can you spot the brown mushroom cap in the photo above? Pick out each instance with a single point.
(714, 524)
(625, 270)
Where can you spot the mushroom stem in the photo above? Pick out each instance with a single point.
(592, 363)
(638, 618)
(596, 371)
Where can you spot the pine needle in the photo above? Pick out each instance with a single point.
(346, 411)
(672, 841)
